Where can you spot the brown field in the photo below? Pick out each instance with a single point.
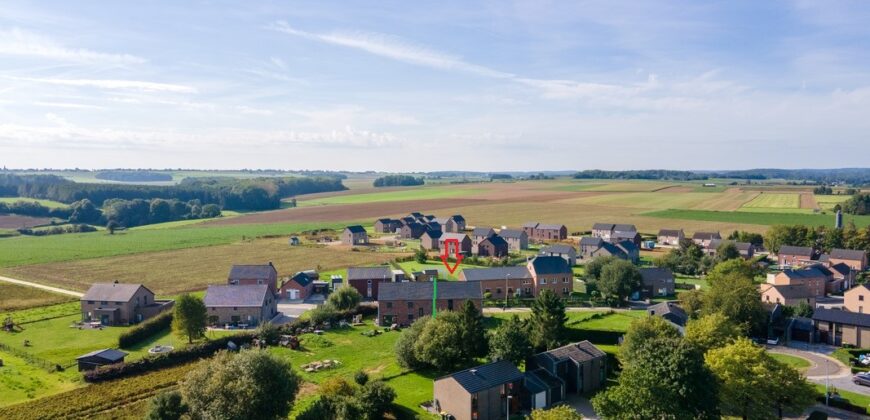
(676, 189)
(14, 297)
(172, 272)
(14, 221)
(808, 201)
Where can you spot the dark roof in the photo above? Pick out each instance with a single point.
(512, 233)
(625, 235)
(249, 295)
(366, 273)
(558, 249)
(423, 290)
(804, 273)
(111, 355)
(790, 291)
(495, 240)
(487, 376)
(803, 251)
(433, 226)
(550, 265)
(112, 292)
(387, 220)
(706, 235)
(841, 317)
(591, 241)
(543, 226)
(541, 380)
(530, 224)
(628, 246)
(579, 352)
(251, 271)
(496, 273)
(670, 232)
(624, 228)
(457, 218)
(848, 254)
(669, 308)
(302, 278)
(651, 275)
(356, 229)
(613, 249)
(842, 268)
(416, 214)
(603, 226)
(433, 233)
(482, 231)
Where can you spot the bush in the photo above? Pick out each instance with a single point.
(145, 330)
(268, 332)
(361, 378)
(344, 299)
(167, 405)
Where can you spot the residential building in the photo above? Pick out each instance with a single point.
(588, 245)
(703, 239)
(454, 224)
(431, 240)
(745, 249)
(796, 256)
(354, 235)
(812, 277)
(615, 232)
(787, 294)
(486, 392)
(657, 281)
(243, 305)
(602, 230)
(671, 312)
(425, 275)
(609, 249)
(631, 250)
(840, 328)
(478, 235)
(403, 303)
(566, 251)
(541, 232)
(671, 237)
(104, 357)
(515, 281)
(366, 279)
(855, 259)
(121, 304)
(300, 286)
(581, 367)
(552, 273)
(463, 240)
(494, 246)
(857, 299)
(517, 239)
(247, 274)
(387, 225)
(412, 230)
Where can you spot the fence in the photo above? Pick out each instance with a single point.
(37, 361)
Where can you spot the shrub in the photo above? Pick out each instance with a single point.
(145, 330)
(344, 299)
(167, 405)
(268, 332)
(361, 377)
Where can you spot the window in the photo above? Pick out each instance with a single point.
(91, 302)
(543, 281)
(235, 308)
(861, 297)
(420, 312)
(498, 290)
(389, 305)
(410, 305)
(118, 303)
(103, 302)
(410, 317)
(565, 290)
(449, 304)
(526, 281)
(565, 280)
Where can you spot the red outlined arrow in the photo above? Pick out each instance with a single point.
(456, 253)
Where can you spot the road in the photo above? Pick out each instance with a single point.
(824, 369)
(41, 286)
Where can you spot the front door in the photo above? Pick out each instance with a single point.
(104, 319)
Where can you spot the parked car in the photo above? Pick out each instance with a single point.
(862, 378)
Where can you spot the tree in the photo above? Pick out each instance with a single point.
(593, 268)
(268, 332)
(618, 280)
(404, 347)
(559, 412)
(336, 386)
(692, 301)
(754, 385)
(738, 299)
(189, 318)
(375, 399)
(727, 251)
(361, 377)
(420, 255)
(510, 341)
(733, 266)
(641, 331)
(344, 299)
(547, 323)
(84, 211)
(804, 309)
(111, 226)
(473, 331)
(711, 331)
(441, 342)
(167, 405)
(250, 384)
(160, 211)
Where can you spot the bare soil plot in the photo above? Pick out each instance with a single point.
(808, 201)
(14, 221)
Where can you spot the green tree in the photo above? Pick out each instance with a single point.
(727, 251)
(711, 331)
(344, 299)
(375, 398)
(189, 318)
(404, 347)
(112, 226)
(510, 341)
(559, 412)
(618, 280)
(441, 343)
(361, 377)
(733, 266)
(268, 332)
(247, 385)
(593, 268)
(692, 301)
(547, 323)
(336, 386)
(332, 408)
(804, 309)
(737, 297)
(167, 405)
(84, 211)
(420, 255)
(641, 331)
(473, 331)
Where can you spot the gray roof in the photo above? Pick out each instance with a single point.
(670, 232)
(512, 233)
(790, 291)
(550, 265)
(112, 292)
(453, 235)
(848, 254)
(248, 295)
(625, 234)
(624, 228)
(651, 275)
(669, 308)
(579, 352)
(440, 220)
(366, 273)
(706, 235)
(482, 231)
(251, 271)
(423, 290)
(302, 278)
(530, 224)
(803, 251)
(613, 249)
(841, 317)
(486, 376)
(543, 226)
(111, 355)
(356, 229)
(591, 241)
(558, 249)
(496, 273)
(804, 273)
(603, 226)
(741, 246)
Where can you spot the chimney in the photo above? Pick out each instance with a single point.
(116, 282)
(473, 372)
(270, 264)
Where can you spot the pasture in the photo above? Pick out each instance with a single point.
(20, 381)
(15, 297)
(827, 202)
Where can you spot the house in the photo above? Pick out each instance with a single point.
(247, 274)
(657, 281)
(542, 389)
(561, 250)
(486, 392)
(812, 277)
(529, 228)
(99, 358)
(552, 273)
(433, 225)
(614, 232)
(412, 230)
(454, 224)
(387, 225)
(840, 328)
(856, 259)
(857, 299)
(403, 303)
(632, 237)
(545, 232)
(417, 215)
(671, 237)
(494, 246)
(366, 279)
(795, 256)
(631, 250)
(478, 235)
(745, 249)
(671, 312)
(463, 239)
(790, 295)
(602, 230)
(841, 277)
(300, 286)
(354, 235)
(243, 305)
(588, 245)
(121, 304)
(703, 239)
(516, 281)
(517, 239)
(581, 367)
(431, 240)
(608, 249)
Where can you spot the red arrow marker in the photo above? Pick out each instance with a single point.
(456, 253)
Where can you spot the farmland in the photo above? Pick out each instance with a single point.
(14, 297)
(21, 381)
(757, 218)
(423, 193)
(775, 200)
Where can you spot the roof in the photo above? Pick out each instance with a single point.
(624, 228)
(841, 317)
(452, 235)
(496, 273)
(543, 226)
(625, 234)
(804, 273)
(530, 224)
(111, 355)
(842, 268)
(603, 226)
(789, 291)
(803, 251)
(482, 231)
(355, 229)
(252, 271)
(848, 254)
(558, 249)
(495, 240)
(612, 249)
(628, 246)
(583, 351)
(366, 273)
(550, 265)
(423, 290)
(651, 275)
(248, 295)
(112, 292)
(591, 241)
(433, 233)
(666, 308)
(741, 246)
(706, 235)
(670, 232)
(388, 220)
(512, 233)
(457, 218)
(486, 376)
(440, 220)
(302, 278)
(541, 380)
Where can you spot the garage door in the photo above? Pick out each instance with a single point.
(541, 400)
(294, 294)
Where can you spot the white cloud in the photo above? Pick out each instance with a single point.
(22, 43)
(111, 84)
(253, 111)
(70, 105)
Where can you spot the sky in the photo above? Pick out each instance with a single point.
(424, 86)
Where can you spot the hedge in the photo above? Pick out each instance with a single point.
(843, 404)
(145, 330)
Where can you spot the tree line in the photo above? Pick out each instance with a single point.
(641, 174)
(821, 238)
(398, 181)
(858, 204)
(134, 176)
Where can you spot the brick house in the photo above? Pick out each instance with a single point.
(494, 246)
(703, 239)
(745, 249)
(354, 235)
(787, 294)
(387, 225)
(857, 299)
(657, 281)
(116, 303)
(580, 367)
(412, 230)
(812, 277)
(855, 259)
(245, 304)
(463, 239)
(516, 281)
(565, 251)
(403, 303)
(430, 240)
(840, 276)
(552, 273)
(300, 286)
(454, 224)
(588, 245)
(480, 393)
(839, 328)
(366, 279)
(517, 239)
(671, 237)
(796, 256)
(615, 232)
(478, 235)
(247, 274)
(545, 232)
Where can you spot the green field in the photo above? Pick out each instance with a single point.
(796, 362)
(14, 297)
(827, 202)
(20, 381)
(648, 200)
(775, 200)
(766, 219)
(46, 203)
(420, 193)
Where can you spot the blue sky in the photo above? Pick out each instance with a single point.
(414, 86)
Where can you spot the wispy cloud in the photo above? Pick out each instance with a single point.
(112, 84)
(70, 105)
(23, 43)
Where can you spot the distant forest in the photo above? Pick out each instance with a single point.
(850, 176)
(641, 174)
(398, 181)
(134, 176)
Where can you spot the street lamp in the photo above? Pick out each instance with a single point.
(506, 290)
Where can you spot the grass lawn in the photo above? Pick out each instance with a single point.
(420, 193)
(860, 400)
(758, 218)
(46, 203)
(775, 200)
(20, 381)
(796, 362)
(14, 296)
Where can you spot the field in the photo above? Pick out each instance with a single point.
(46, 203)
(21, 381)
(827, 202)
(14, 297)
(775, 200)
(758, 218)
(420, 193)
(14, 221)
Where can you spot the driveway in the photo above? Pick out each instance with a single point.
(824, 369)
(290, 311)
(41, 286)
